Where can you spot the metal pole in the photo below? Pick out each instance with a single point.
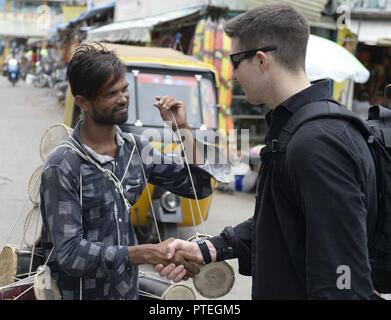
(138, 122)
(199, 78)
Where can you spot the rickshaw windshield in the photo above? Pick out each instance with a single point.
(182, 87)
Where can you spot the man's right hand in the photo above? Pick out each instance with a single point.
(171, 271)
(183, 263)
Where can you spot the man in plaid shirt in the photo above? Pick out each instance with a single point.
(89, 183)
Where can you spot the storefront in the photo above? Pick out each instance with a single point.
(374, 51)
(196, 28)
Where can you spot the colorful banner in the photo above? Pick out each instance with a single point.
(213, 46)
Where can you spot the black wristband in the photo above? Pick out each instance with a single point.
(204, 251)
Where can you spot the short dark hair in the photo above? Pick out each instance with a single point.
(273, 25)
(91, 67)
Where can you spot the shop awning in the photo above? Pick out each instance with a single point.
(372, 32)
(95, 12)
(86, 15)
(311, 9)
(137, 30)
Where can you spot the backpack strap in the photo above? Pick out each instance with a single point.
(311, 111)
(380, 115)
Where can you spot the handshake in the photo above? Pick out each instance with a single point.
(174, 259)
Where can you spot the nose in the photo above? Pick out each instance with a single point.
(124, 97)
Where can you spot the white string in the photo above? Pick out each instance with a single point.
(108, 174)
(27, 280)
(149, 295)
(16, 222)
(29, 215)
(20, 214)
(28, 289)
(24, 274)
(48, 258)
(153, 276)
(192, 215)
(190, 175)
(35, 239)
(130, 158)
(81, 237)
(26, 225)
(148, 192)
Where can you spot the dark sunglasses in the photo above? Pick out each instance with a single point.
(237, 58)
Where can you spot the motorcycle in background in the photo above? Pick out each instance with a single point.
(13, 71)
(43, 75)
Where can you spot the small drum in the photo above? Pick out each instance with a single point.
(33, 227)
(15, 263)
(34, 185)
(40, 286)
(155, 288)
(216, 279)
(53, 137)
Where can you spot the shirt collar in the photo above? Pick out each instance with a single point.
(319, 90)
(120, 138)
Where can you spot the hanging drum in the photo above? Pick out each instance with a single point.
(154, 288)
(33, 227)
(53, 137)
(215, 279)
(15, 263)
(34, 185)
(40, 286)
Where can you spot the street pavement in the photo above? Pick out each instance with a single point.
(26, 112)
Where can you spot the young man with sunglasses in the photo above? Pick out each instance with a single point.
(308, 236)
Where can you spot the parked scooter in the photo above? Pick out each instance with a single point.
(61, 89)
(43, 75)
(13, 71)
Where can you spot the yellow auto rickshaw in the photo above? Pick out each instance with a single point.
(161, 71)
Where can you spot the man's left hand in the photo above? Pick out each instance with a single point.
(168, 104)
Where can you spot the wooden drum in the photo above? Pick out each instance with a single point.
(40, 286)
(15, 263)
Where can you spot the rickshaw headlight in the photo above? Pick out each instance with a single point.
(170, 201)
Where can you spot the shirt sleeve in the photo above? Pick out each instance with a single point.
(169, 172)
(236, 242)
(62, 215)
(329, 181)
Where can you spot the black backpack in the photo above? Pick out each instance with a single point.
(377, 132)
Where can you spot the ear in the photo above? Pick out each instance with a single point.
(83, 103)
(262, 60)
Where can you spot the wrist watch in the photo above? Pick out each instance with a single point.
(204, 251)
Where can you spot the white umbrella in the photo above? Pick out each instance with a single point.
(327, 59)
